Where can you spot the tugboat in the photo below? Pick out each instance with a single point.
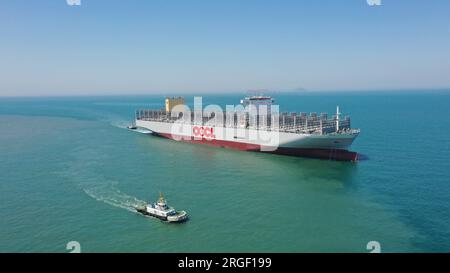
(162, 211)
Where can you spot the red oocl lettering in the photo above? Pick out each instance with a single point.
(203, 131)
(207, 132)
(196, 131)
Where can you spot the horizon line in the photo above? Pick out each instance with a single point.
(268, 91)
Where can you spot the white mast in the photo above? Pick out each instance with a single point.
(337, 118)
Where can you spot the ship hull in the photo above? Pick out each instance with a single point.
(330, 154)
(292, 144)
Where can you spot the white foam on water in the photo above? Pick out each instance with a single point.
(120, 123)
(109, 194)
(143, 131)
(84, 172)
(113, 119)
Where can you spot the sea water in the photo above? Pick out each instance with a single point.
(71, 171)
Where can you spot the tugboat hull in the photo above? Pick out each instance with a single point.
(162, 218)
(146, 213)
(178, 218)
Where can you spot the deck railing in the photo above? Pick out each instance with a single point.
(287, 122)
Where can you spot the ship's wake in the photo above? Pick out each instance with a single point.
(119, 123)
(110, 195)
(123, 124)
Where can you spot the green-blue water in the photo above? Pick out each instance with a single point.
(70, 171)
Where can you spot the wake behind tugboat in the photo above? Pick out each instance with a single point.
(109, 194)
(162, 211)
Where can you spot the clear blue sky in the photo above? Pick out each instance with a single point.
(145, 46)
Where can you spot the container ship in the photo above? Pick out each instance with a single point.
(253, 126)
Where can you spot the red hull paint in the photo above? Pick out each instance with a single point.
(332, 154)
